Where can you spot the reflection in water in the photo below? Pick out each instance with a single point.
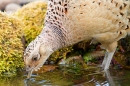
(34, 82)
(94, 82)
(57, 78)
(109, 78)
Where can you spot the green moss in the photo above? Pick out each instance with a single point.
(32, 15)
(11, 48)
(61, 53)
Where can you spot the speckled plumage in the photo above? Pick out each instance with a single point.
(87, 19)
(70, 21)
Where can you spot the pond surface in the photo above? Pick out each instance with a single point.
(60, 77)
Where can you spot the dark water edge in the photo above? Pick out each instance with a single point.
(59, 77)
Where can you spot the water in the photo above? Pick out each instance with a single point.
(60, 77)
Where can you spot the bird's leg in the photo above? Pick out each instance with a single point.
(109, 78)
(108, 59)
(111, 48)
(105, 59)
(109, 42)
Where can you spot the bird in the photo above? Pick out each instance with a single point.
(71, 21)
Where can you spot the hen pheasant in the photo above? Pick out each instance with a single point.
(70, 21)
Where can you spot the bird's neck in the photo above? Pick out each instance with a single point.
(53, 38)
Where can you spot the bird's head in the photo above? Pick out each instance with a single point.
(35, 56)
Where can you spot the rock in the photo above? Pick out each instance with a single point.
(12, 7)
(3, 3)
(27, 1)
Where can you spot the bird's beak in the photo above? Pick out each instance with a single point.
(29, 74)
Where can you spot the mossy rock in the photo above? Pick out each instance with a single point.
(11, 47)
(32, 15)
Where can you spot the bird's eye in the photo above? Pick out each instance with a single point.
(34, 59)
